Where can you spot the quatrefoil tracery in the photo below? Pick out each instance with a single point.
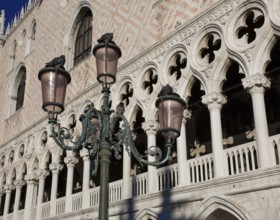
(128, 93)
(179, 64)
(252, 22)
(151, 81)
(213, 44)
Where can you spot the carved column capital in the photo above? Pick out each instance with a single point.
(55, 167)
(31, 178)
(214, 100)
(41, 173)
(71, 160)
(19, 183)
(187, 114)
(84, 154)
(256, 83)
(151, 127)
(9, 187)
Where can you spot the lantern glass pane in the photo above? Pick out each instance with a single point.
(53, 91)
(106, 63)
(170, 117)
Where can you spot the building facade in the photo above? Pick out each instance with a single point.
(220, 56)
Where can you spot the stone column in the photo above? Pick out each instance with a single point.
(256, 86)
(127, 180)
(214, 101)
(151, 128)
(31, 192)
(55, 169)
(183, 170)
(86, 177)
(18, 184)
(70, 161)
(8, 188)
(42, 176)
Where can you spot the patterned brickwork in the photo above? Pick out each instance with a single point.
(136, 24)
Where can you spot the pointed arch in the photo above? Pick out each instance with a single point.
(79, 40)
(18, 90)
(217, 203)
(146, 214)
(31, 38)
(12, 56)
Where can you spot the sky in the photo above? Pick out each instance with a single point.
(11, 7)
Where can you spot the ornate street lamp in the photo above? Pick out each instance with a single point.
(98, 126)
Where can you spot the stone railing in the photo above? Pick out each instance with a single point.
(60, 206)
(240, 159)
(167, 177)
(139, 184)
(201, 168)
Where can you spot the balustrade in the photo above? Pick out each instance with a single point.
(240, 159)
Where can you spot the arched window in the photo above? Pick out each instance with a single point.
(12, 56)
(83, 38)
(31, 38)
(21, 88)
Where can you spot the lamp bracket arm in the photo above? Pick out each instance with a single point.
(124, 138)
(62, 135)
(156, 152)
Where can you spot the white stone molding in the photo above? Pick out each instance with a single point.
(214, 100)
(256, 83)
(210, 204)
(274, 14)
(146, 214)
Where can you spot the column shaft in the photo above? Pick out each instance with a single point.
(214, 102)
(183, 170)
(256, 85)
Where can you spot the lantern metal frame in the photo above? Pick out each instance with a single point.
(100, 149)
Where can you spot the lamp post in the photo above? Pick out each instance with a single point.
(98, 126)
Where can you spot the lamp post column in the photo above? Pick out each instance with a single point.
(8, 188)
(183, 170)
(151, 128)
(105, 157)
(42, 176)
(256, 85)
(214, 101)
(55, 169)
(70, 161)
(18, 184)
(86, 176)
